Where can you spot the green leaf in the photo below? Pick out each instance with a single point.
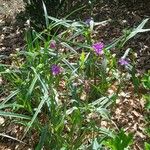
(32, 86)
(146, 81)
(82, 60)
(115, 42)
(126, 53)
(44, 98)
(10, 96)
(45, 14)
(146, 146)
(10, 114)
(96, 145)
(120, 141)
(137, 30)
(106, 132)
(42, 138)
(2, 106)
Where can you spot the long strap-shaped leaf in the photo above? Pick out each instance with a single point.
(10, 96)
(10, 105)
(46, 15)
(15, 115)
(42, 138)
(137, 30)
(44, 99)
(123, 38)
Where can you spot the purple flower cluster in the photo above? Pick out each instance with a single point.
(123, 62)
(98, 48)
(55, 70)
(52, 44)
(88, 21)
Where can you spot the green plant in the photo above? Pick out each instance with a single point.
(61, 82)
(146, 81)
(147, 146)
(146, 84)
(120, 141)
(36, 85)
(56, 8)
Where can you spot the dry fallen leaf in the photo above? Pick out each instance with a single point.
(2, 120)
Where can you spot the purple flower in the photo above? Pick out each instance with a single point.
(52, 44)
(98, 48)
(56, 70)
(88, 21)
(123, 62)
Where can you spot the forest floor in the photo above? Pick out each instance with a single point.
(129, 111)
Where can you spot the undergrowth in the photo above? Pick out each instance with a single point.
(59, 86)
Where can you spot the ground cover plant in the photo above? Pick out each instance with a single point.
(55, 8)
(59, 86)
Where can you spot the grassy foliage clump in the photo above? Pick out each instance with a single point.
(59, 86)
(55, 8)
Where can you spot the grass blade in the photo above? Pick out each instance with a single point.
(46, 15)
(10, 96)
(43, 100)
(15, 115)
(42, 138)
